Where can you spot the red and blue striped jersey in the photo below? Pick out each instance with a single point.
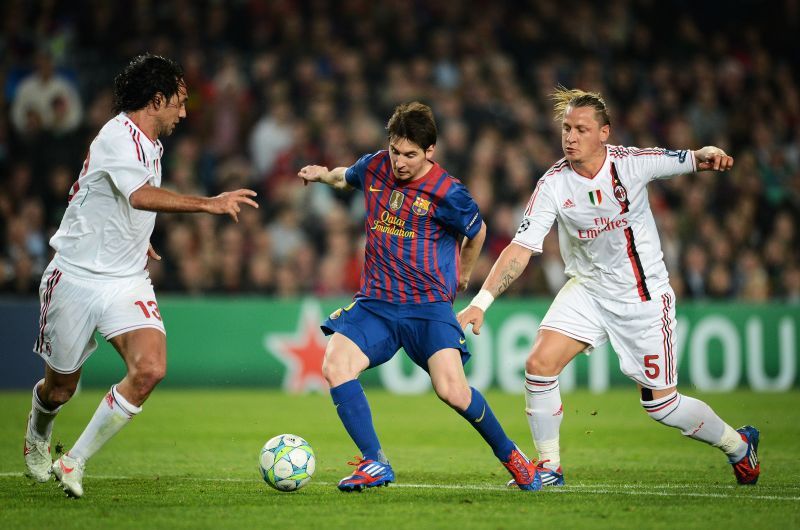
(414, 231)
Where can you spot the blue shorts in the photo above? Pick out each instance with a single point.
(381, 328)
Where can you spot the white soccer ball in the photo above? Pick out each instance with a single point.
(287, 462)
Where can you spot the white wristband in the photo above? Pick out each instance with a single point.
(482, 300)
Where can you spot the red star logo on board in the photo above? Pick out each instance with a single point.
(302, 351)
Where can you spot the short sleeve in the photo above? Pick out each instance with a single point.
(458, 211)
(123, 160)
(656, 163)
(355, 174)
(540, 214)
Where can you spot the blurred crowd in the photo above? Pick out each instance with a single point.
(280, 84)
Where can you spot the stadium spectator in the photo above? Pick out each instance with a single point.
(488, 91)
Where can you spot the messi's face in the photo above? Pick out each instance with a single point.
(409, 161)
(582, 136)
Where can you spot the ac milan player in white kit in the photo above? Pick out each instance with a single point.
(618, 289)
(98, 278)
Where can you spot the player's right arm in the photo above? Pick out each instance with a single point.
(155, 199)
(540, 214)
(508, 267)
(333, 178)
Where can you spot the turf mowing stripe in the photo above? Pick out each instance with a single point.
(594, 489)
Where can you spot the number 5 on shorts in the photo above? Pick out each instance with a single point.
(651, 369)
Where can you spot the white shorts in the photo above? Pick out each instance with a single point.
(642, 333)
(73, 308)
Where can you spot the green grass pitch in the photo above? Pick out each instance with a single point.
(190, 461)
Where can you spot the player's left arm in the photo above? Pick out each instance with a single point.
(712, 158)
(470, 250)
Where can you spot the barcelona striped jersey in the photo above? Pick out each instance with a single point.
(414, 231)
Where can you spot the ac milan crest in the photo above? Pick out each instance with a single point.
(620, 193)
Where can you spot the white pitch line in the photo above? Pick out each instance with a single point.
(594, 489)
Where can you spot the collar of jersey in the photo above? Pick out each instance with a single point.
(603, 165)
(153, 144)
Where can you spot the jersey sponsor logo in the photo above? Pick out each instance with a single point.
(420, 206)
(374, 189)
(392, 225)
(595, 197)
(602, 224)
(396, 200)
(526, 223)
(620, 193)
(568, 204)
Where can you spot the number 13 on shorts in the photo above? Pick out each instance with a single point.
(149, 308)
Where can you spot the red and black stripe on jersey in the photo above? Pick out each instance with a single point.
(633, 254)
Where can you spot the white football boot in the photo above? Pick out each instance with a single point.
(69, 473)
(37, 459)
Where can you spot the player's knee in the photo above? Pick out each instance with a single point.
(56, 396)
(148, 374)
(336, 371)
(540, 364)
(455, 395)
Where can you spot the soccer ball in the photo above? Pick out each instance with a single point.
(287, 462)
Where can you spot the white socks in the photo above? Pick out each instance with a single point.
(111, 416)
(545, 411)
(40, 423)
(696, 420)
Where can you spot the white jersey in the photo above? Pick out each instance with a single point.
(606, 231)
(101, 233)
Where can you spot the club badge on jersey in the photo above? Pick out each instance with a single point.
(420, 206)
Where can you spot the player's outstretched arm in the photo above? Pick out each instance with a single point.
(155, 199)
(711, 158)
(506, 269)
(469, 255)
(333, 178)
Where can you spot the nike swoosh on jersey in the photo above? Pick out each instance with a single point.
(375, 189)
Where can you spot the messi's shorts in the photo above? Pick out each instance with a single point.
(381, 328)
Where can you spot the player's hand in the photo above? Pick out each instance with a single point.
(152, 254)
(312, 174)
(471, 315)
(712, 158)
(230, 202)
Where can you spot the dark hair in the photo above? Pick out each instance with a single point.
(414, 122)
(144, 77)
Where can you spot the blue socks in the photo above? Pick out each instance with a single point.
(353, 409)
(481, 417)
